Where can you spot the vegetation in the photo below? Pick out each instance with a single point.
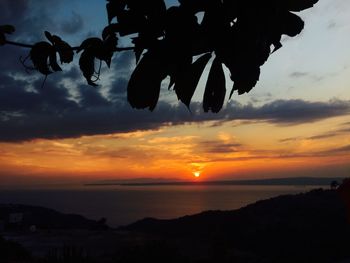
(12, 252)
(238, 33)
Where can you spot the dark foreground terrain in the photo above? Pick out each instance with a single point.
(310, 227)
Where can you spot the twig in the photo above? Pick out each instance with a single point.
(13, 43)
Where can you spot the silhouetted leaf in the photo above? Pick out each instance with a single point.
(291, 24)
(245, 79)
(195, 6)
(110, 42)
(5, 29)
(171, 82)
(93, 44)
(114, 8)
(277, 45)
(40, 55)
(96, 48)
(145, 82)
(177, 62)
(110, 39)
(131, 22)
(64, 50)
(215, 89)
(297, 5)
(186, 82)
(53, 62)
(140, 45)
(180, 26)
(87, 66)
(2, 39)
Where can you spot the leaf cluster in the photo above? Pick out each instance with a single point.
(178, 42)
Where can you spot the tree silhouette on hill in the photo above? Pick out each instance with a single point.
(239, 34)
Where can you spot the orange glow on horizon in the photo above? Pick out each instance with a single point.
(180, 153)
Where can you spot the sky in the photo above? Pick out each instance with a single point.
(295, 122)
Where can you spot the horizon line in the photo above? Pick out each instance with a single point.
(269, 181)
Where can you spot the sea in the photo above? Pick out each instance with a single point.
(122, 205)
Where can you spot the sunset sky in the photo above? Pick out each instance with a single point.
(295, 122)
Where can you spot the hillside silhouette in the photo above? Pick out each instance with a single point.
(308, 227)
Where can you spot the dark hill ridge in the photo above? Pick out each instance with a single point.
(44, 218)
(309, 227)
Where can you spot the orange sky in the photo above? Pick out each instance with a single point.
(233, 150)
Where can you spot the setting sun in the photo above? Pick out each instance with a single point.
(197, 174)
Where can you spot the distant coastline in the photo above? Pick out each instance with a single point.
(297, 181)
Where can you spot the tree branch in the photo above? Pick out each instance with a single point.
(13, 43)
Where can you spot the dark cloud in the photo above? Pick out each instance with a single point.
(298, 74)
(291, 139)
(288, 112)
(326, 135)
(73, 25)
(343, 149)
(12, 10)
(339, 151)
(52, 113)
(218, 147)
(315, 137)
(91, 98)
(323, 136)
(124, 61)
(119, 87)
(31, 18)
(345, 130)
(332, 24)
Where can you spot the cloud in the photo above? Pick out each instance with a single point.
(325, 135)
(11, 10)
(288, 112)
(298, 74)
(332, 24)
(30, 18)
(343, 149)
(218, 147)
(73, 25)
(52, 113)
(291, 139)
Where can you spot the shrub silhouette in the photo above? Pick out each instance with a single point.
(240, 34)
(344, 192)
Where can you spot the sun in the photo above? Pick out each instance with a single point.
(197, 174)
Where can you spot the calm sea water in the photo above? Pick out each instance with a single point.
(123, 204)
